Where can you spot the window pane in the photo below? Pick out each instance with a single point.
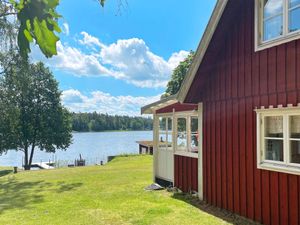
(169, 124)
(294, 20)
(162, 138)
(295, 126)
(272, 8)
(194, 124)
(170, 140)
(293, 3)
(194, 143)
(162, 124)
(272, 27)
(274, 126)
(162, 141)
(181, 141)
(181, 125)
(295, 152)
(274, 150)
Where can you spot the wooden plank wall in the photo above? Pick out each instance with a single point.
(186, 173)
(242, 80)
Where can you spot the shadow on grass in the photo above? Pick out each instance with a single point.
(214, 211)
(15, 194)
(63, 187)
(5, 172)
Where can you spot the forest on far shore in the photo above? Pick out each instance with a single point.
(95, 122)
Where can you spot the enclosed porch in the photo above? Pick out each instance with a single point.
(176, 143)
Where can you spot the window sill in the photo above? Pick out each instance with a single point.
(281, 168)
(278, 41)
(187, 154)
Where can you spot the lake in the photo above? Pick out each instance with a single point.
(94, 147)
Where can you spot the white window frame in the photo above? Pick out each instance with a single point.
(165, 116)
(284, 38)
(286, 166)
(187, 116)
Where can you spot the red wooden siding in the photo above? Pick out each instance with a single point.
(186, 173)
(178, 107)
(231, 82)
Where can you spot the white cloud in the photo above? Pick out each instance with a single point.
(138, 64)
(176, 58)
(129, 60)
(66, 29)
(74, 61)
(102, 102)
(90, 40)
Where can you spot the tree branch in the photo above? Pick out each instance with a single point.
(8, 14)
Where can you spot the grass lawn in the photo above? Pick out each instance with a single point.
(110, 194)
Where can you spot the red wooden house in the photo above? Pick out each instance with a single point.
(244, 85)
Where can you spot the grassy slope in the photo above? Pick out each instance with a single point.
(111, 194)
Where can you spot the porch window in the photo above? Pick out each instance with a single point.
(194, 134)
(277, 22)
(181, 134)
(187, 134)
(165, 133)
(278, 139)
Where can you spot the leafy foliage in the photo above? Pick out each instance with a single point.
(32, 114)
(178, 75)
(84, 122)
(37, 23)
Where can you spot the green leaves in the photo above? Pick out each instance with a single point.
(45, 38)
(178, 75)
(38, 23)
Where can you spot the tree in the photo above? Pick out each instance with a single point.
(83, 122)
(178, 75)
(32, 115)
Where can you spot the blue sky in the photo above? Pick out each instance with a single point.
(115, 60)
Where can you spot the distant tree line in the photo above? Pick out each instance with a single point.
(85, 122)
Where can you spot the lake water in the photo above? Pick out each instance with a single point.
(94, 147)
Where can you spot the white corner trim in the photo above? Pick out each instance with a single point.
(202, 47)
(200, 152)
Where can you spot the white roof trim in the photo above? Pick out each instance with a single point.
(151, 108)
(202, 47)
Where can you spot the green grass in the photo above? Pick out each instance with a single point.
(111, 194)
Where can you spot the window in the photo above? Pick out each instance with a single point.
(194, 134)
(181, 134)
(165, 133)
(277, 22)
(278, 139)
(272, 19)
(187, 134)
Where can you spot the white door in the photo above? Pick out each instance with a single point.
(165, 153)
(165, 164)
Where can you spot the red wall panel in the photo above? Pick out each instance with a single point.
(237, 80)
(186, 173)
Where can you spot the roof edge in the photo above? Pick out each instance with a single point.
(148, 109)
(202, 48)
